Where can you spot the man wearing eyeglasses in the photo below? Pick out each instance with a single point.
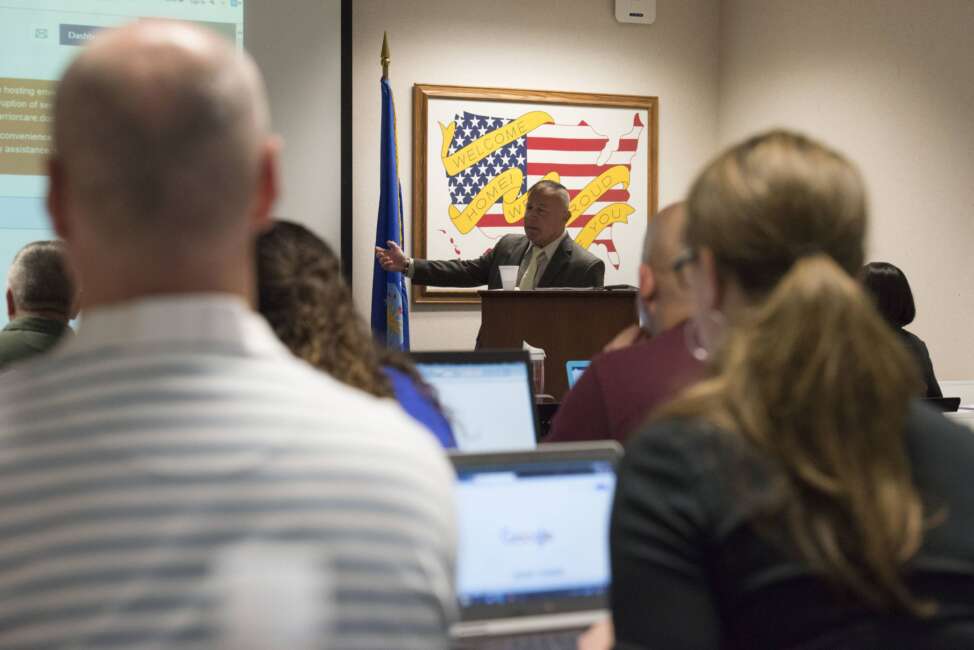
(647, 364)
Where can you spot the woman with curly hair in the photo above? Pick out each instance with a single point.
(303, 296)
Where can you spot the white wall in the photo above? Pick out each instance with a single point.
(297, 45)
(889, 83)
(572, 45)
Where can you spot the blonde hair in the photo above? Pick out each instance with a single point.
(810, 376)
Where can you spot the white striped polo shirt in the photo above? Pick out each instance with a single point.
(172, 478)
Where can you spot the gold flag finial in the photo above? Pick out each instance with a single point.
(384, 57)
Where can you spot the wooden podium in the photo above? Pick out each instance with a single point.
(568, 324)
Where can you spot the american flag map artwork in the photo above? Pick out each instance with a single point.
(489, 160)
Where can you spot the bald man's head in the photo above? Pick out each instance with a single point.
(667, 302)
(159, 129)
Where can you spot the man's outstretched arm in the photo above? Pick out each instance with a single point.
(450, 273)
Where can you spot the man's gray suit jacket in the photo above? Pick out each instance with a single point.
(570, 266)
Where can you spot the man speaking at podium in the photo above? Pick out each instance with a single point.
(545, 255)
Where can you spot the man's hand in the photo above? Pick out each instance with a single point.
(598, 637)
(392, 258)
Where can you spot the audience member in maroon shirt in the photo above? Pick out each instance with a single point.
(637, 373)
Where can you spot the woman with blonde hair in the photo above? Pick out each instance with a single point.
(799, 497)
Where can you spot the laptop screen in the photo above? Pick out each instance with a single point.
(534, 532)
(575, 370)
(486, 397)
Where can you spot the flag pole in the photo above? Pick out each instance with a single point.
(390, 302)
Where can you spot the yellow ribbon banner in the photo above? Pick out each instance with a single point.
(514, 210)
(489, 142)
(505, 185)
(615, 213)
(593, 191)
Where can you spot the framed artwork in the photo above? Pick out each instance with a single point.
(476, 151)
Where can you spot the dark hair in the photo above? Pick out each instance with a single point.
(891, 292)
(303, 296)
(40, 279)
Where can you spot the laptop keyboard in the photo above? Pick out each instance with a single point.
(548, 641)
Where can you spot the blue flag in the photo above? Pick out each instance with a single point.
(390, 305)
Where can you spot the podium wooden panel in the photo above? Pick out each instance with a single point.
(568, 324)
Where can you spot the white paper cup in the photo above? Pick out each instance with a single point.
(508, 277)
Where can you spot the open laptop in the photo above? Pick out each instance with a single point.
(486, 395)
(575, 370)
(533, 557)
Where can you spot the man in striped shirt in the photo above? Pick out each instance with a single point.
(172, 477)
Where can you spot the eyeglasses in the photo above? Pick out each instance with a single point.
(681, 265)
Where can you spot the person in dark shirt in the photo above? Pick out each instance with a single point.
(799, 496)
(303, 296)
(622, 386)
(40, 302)
(891, 291)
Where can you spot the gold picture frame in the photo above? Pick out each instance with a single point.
(528, 134)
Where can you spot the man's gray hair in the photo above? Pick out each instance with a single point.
(552, 187)
(40, 279)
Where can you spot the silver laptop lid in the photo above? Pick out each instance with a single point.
(486, 395)
(533, 530)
